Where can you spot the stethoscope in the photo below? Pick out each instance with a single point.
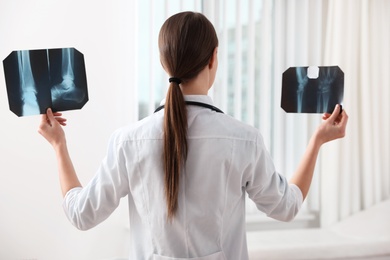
(194, 103)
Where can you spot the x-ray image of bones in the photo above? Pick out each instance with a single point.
(29, 100)
(326, 78)
(301, 86)
(38, 79)
(66, 90)
(303, 93)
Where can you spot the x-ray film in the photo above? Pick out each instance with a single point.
(39, 79)
(312, 89)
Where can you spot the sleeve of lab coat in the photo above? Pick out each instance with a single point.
(88, 206)
(270, 190)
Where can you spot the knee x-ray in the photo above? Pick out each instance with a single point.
(39, 79)
(312, 89)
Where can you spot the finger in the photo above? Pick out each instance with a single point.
(50, 117)
(61, 120)
(49, 114)
(326, 116)
(335, 114)
(57, 114)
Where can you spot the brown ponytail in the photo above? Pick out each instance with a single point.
(186, 42)
(175, 144)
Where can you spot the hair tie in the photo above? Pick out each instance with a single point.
(176, 80)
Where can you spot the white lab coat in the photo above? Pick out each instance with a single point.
(226, 158)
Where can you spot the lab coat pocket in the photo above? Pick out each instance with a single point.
(215, 256)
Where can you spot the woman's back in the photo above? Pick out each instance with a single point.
(222, 161)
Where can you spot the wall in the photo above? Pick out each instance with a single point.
(32, 222)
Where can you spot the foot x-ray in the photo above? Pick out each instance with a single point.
(39, 79)
(312, 89)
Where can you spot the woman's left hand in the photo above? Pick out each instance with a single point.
(333, 126)
(51, 128)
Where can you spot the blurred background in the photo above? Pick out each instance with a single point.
(258, 41)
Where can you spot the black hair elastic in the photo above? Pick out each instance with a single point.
(176, 80)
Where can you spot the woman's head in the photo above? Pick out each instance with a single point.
(187, 42)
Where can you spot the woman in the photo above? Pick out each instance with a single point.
(187, 167)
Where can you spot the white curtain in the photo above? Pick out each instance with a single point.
(355, 35)
(352, 174)
(355, 172)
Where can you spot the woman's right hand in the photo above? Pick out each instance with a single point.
(333, 126)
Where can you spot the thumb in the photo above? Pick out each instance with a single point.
(335, 113)
(50, 116)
